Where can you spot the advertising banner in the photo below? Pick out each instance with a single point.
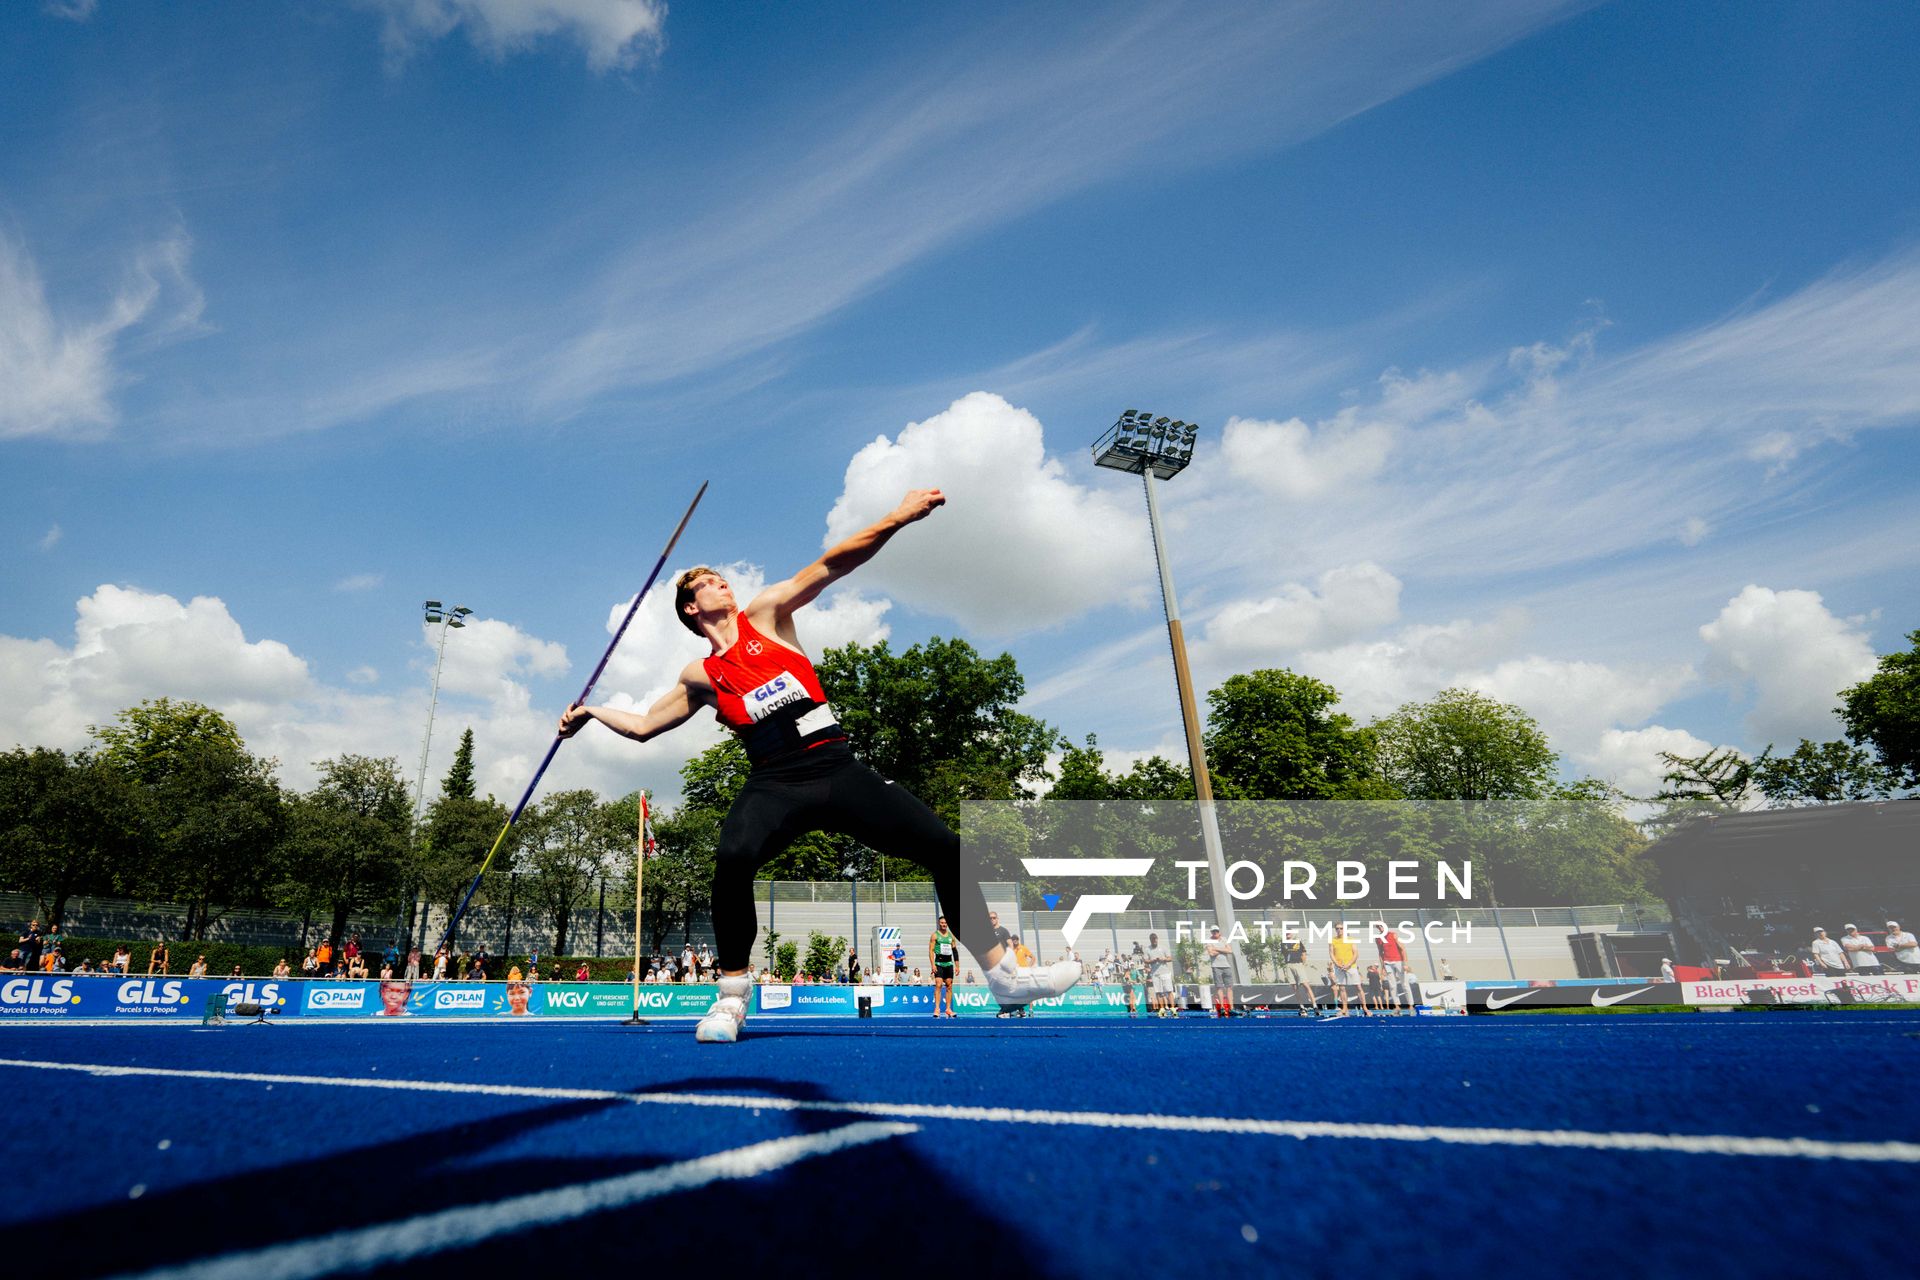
(1859, 988)
(73, 996)
(1551, 996)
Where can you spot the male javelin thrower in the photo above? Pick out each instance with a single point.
(804, 777)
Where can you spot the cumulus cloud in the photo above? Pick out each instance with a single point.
(1630, 758)
(1346, 603)
(1793, 654)
(1578, 703)
(128, 645)
(1019, 545)
(58, 375)
(1297, 461)
(72, 10)
(614, 33)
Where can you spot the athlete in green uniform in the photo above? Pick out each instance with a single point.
(943, 953)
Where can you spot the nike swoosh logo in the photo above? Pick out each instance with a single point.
(1601, 1002)
(1495, 1003)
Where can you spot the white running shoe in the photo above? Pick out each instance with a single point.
(1012, 985)
(722, 1023)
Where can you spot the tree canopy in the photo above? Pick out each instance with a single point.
(1883, 711)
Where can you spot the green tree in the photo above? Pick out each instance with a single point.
(1274, 735)
(1821, 773)
(215, 812)
(1883, 711)
(459, 780)
(458, 833)
(1568, 844)
(346, 843)
(823, 953)
(66, 824)
(940, 720)
(566, 843)
(1461, 745)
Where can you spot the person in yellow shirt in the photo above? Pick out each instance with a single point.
(1346, 966)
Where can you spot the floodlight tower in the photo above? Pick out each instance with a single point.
(447, 619)
(1160, 449)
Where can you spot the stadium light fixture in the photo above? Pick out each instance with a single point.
(435, 614)
(1159, 448)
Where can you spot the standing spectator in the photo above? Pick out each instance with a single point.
(1134, 977)
(309, 964)
(686, 963)
(390, 959)
(440, 963)
(32, 947)
(1903, 949)
(533, 966)
(1374, 996)
(353, 948)
(158, 960)
(413, 964)
(122, 959)
(1293, 964)
(283, 969)
(1160, 976)
(1393, 968)
(899, 957)
(1220, 955)
(943, 953)
(1859, 949)
(1827, 955)
(477, 970)
(1666, 969)
(705, 961)
(323, 955)
(199, 967)
(1345, 974)
(1446, 972)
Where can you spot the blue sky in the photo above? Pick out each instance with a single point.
(1562, 352)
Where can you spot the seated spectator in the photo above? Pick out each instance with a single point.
(122, 959)
(236, 973)
(199, 968)
(86, 967)
(309, 966)
(514, 974)
(583, 974)
(55, 961)
(157, 959)
(281, 970)
(386, 971)
(356, 967)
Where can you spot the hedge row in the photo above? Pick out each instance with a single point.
(258, 962)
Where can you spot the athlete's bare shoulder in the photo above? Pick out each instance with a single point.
(693, 677)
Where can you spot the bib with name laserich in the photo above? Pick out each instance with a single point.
(769, 695)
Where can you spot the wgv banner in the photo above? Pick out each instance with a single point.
(397, 998)
(86, 996)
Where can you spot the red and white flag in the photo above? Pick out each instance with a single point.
(649, 847)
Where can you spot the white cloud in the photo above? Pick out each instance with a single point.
(1349, 602)
(1794, 654)
(1019, 544)
(1630, 758)
(1693, 531)
(359, 582)
(57, 376)
(490, 659)
(51, 538)
(614, 33)
(363, 675)
(73, 10)
(1375, 677)
(1577, 703)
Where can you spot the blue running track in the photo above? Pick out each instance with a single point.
(1701, 1145)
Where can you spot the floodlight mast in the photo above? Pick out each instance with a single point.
(434, 613)
(1159, 448)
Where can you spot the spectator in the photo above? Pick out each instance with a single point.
(533, 967)
(1135, 977)
(55, 961)
(1293, 964)
(1666, 969)
(199, 967)
(309, 964)
(413, 963)
(1159, 978)
(1345, 973)
(556, 971)
(1827, 955)
(324, 955)
(1393, 968)
(357, 967)
(283, 969)
(353, 948)
(1022, 953)
(1903, 949)
(1446, 972)
(1374, 995)
(391, 958)
(853, 965)
(970, 980)
(1220, 955)
(16, 961)
(158, 961)
(86, 968)
(1859, 949)
(705, 961)
(31, 947)
(514, 974)
(899, 957)
(686, 962)
(583, 974)
(440, 964)
(236, 973)
(122, 959)
(482, 962)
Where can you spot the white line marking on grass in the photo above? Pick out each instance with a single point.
(365, 1248)
(1569, 1139)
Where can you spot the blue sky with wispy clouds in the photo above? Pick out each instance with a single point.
(1564, 352)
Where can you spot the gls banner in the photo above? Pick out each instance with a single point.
(71, 996)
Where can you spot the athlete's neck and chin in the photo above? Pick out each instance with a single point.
(706, 604)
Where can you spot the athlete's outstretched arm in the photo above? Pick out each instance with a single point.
(670, 712)
(782, 598)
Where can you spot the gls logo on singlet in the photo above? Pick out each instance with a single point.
(783, 690)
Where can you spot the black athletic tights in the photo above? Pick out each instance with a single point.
(826, 789)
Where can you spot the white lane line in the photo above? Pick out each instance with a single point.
(1577, 1139)
(368, 1247)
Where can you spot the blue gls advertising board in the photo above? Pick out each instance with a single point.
(68, 995)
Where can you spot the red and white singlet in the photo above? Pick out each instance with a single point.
(768, 694)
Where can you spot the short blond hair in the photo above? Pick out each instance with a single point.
(683, 594)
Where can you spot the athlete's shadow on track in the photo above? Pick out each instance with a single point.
(879, 1200)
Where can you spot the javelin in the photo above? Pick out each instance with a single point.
(557, 739)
